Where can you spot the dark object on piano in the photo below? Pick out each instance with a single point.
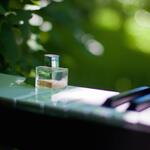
(126, 96)
(140, 103)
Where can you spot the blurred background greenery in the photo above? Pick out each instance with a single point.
(104, 43)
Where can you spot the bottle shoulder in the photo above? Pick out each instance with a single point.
(52, 68)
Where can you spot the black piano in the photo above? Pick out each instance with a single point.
(70, 118)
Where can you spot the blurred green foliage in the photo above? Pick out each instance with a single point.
(104, 43)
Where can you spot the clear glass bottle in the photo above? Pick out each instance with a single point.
(51, 75)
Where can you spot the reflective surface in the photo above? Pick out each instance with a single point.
(79, 102)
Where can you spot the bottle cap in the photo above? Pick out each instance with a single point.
(52, 60)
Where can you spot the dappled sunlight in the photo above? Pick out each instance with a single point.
(135, 3)
(92, 46)
(39, 4)
(107, 18)
(36, 20)
(142, 18)
(10, 13)
(95, 47)
(104, 43)
(85, 95)
(33, 44)
(21, 22)
(138, 31)
(46, 26)
(31, 7)
(58, 1)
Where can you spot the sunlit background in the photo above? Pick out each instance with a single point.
(104, 43)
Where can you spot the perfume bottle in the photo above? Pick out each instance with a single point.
(51, 75)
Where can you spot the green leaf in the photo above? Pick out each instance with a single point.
(20, 21)
(24, 15)
(12, 19)
(2, 10)
(9, 47)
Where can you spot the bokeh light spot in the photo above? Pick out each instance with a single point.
(138, 32)
(142, 18)
(94, 47)
(46, 26)
(107, 18)
(33, 44)
(36, 20)
(58, 1)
